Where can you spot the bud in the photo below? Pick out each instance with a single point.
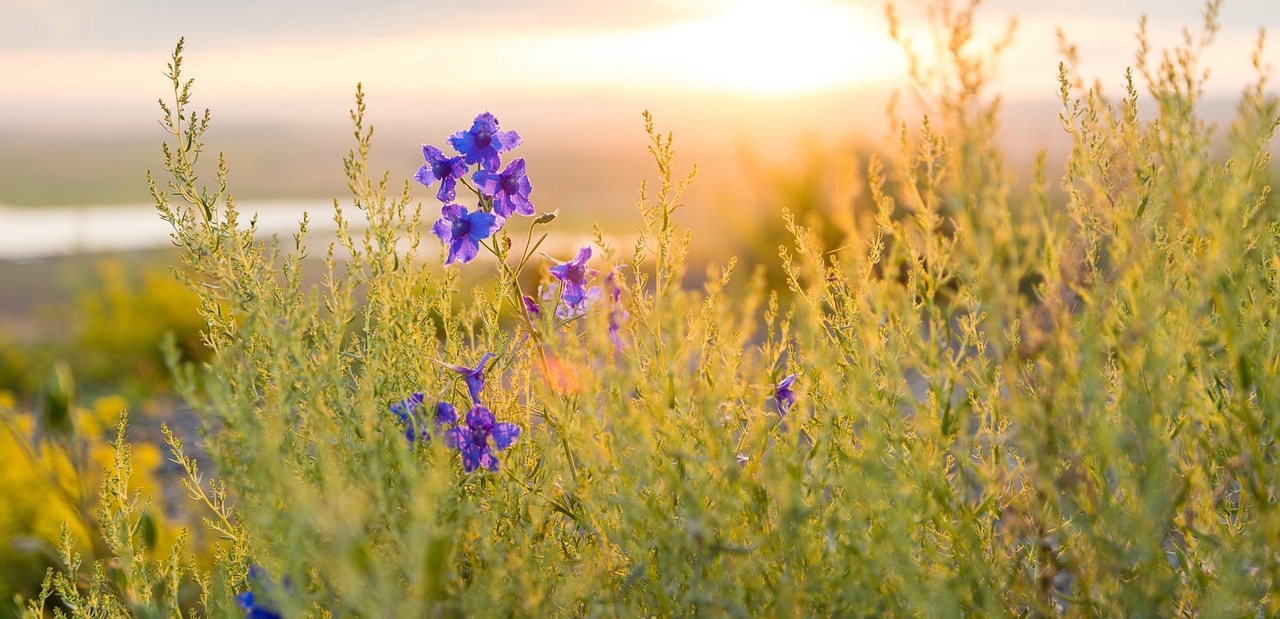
(115, 570)
(58, 396)
(147, 531)
(547, 218)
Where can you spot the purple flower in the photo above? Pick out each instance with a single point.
(616, 313)
(463, 231)
(573, 274)
(253, 608)
(509, 189)
(566, 311)
(447, 170)
(482, 143)
(446, 414)
(474, 377)
(530, 305)
(472, 440)
(783, 395)
(408, 411)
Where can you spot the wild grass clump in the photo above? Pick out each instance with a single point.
(970, 406)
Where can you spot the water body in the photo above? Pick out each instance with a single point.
(29, 233)
(34, 233)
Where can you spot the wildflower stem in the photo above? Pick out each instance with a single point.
(517, 302)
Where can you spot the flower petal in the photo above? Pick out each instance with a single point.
(507, 139)
(463, 249)
(480, 419)
(487, 182)
(445, 414)
(448, 189)
(443, 229)
(458, 437)
(504, 434)
(463, 142)
(483, 225)
(470, 460)
(425, 175)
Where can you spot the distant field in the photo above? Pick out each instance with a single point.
(39, 295)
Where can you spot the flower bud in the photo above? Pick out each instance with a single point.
(58, 397)
(547, 218)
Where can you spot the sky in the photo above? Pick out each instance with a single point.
(62, 58)
(572, 72)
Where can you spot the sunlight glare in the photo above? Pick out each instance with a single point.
(759, 47)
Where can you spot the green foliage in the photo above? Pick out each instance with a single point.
(1004, 408)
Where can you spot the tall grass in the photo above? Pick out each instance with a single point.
(1003, 407)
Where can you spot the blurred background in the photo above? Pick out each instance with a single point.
(767, 98)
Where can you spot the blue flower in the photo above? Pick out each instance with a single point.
(474, 377)
(573, 274)
(509, 189)
(447, 170)
(463, 231)
(482, 143)
(409, 413)
(783, 395)
(473, 439)
(253, 608)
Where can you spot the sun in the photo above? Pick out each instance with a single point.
(774, 48)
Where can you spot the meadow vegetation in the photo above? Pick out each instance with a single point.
(963, 400)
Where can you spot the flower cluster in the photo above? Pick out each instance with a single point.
(570, 293)
(473, 438)
(501, 194)
(409, 412)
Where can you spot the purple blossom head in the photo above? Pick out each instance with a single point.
(472, 440)
(566, 311)
(783, 395)
(463, 231)
(446, 414)
(616, 313)
(447, 170)
(573, 275)
(474, 377)
(406, 411)
(409, 411)
(255, 608)
(482, 143)
(509, 189)
(530, 305)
